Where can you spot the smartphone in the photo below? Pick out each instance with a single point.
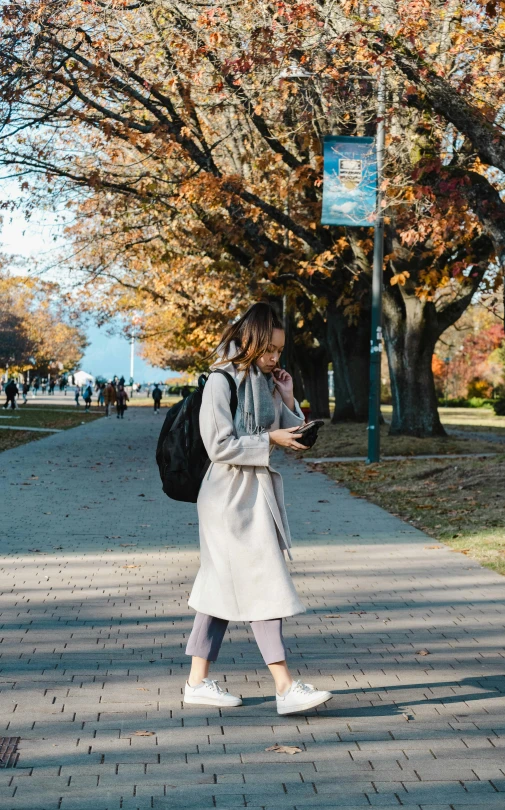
(309, 432)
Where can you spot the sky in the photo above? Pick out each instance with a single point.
(106, 355)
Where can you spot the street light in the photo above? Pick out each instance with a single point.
(135, 321)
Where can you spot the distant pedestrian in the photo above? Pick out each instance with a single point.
(109, 397)
(101, 395)
(52, 383)
(77, 394)
(11, 391)
(157, 395)
(26, 389)
(88, 394)
(121, 400)
(36, 386)
(44, 386)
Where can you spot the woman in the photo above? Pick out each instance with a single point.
(109, 396)
(243, 525)
(88, 395)
(121, 400)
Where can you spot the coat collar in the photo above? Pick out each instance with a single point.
(228, 366)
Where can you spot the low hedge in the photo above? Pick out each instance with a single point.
(462, 402)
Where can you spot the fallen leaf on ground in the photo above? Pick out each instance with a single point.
(323, 501)
(142, 734)
(422, 652)
(333, 616)
(406, 716)
(432, 546)
(113, 537)
(142, 495)
(285, 749)
(131, 566)
(34, 550)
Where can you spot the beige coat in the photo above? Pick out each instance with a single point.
(243, 524)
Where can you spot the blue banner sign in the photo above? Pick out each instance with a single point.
(350, 181)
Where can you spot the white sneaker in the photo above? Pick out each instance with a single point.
(300, 698)
(209, 693)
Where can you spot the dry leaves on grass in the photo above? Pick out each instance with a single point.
(284, 749)
(142, 734)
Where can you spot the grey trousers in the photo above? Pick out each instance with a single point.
(208, 633)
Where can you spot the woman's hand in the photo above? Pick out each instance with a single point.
(286, 437)
(284, 383)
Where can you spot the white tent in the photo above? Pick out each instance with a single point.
(83, 378)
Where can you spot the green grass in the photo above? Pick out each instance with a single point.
(350, 439)
(46, 416)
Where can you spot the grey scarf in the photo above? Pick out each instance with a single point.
(255, 401)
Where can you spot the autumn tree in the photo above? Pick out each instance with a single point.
(34, 330)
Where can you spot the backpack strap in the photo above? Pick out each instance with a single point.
(233, 389)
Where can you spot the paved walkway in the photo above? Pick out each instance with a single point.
(95, 571)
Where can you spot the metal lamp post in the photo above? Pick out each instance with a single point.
(295, 71)
(378, 259)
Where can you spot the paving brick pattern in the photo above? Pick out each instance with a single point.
(93, 627)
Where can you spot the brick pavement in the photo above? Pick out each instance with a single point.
(93, 627)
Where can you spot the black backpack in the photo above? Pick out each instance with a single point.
(180, 454)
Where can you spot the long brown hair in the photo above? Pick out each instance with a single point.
(252, 334)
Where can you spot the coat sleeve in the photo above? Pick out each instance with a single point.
(289, 418)
(217, 430)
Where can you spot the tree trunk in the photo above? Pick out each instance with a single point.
(349, 348)
(313, 364)
(410, 342)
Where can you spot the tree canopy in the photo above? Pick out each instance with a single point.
(186, 138)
